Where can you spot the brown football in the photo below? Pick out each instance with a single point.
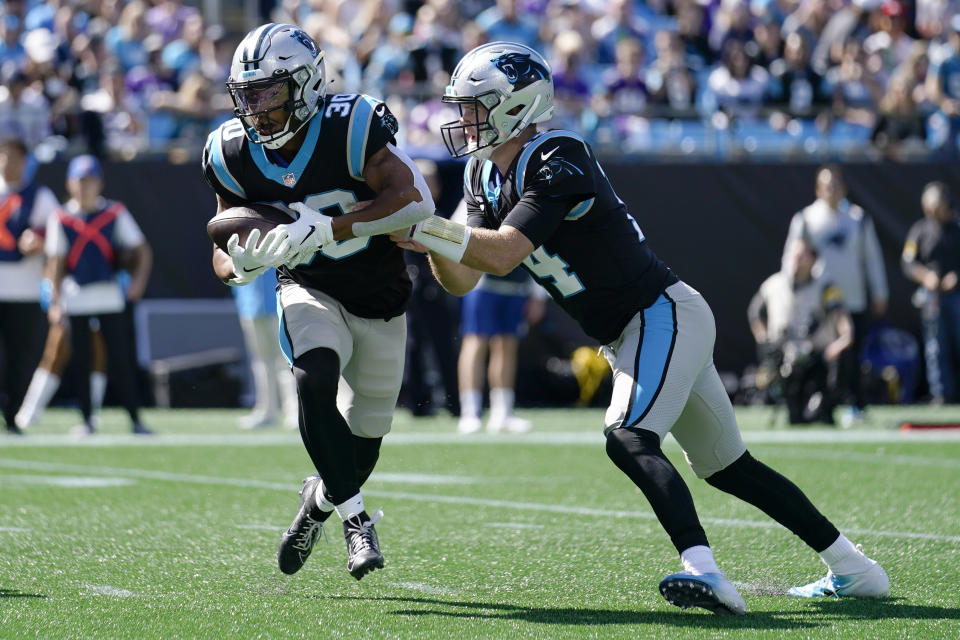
(242, 220)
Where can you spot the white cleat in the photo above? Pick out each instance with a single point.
(508, 424)
(872, 583)
(468, 425)
(710, 591)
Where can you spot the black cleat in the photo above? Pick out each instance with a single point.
(298, 541)
(363, 547)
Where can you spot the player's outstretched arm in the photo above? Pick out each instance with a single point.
(459, 254)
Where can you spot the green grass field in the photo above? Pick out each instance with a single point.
(534, 536)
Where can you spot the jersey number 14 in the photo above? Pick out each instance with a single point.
(544, 265)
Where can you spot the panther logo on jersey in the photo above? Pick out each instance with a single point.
(520, 70)
(387, 120)
(557, 169)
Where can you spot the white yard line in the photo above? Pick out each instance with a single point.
(432, 498)
(585, 438)
(107, 590)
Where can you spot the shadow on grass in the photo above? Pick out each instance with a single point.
(10, 593)
(594, 617)
(887, 608)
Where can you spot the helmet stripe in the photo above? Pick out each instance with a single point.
(266, 31)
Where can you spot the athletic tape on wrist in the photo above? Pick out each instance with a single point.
(441, 236)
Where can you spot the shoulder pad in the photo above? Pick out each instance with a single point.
(361, 115)
(216, 151)
(540, 148)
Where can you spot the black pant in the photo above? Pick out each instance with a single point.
(850, 380)
(807, 377)
(120, 370)
(21, 333)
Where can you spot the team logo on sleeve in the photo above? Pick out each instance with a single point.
(557, 169)
(387, 120)
(520, 70)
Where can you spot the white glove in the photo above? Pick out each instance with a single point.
(311, 230)
(250, 260)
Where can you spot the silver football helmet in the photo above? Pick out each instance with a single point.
(512, 83)
(277, 70)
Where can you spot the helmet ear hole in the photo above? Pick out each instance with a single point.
(516, 110)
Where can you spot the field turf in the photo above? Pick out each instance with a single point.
(534, 536)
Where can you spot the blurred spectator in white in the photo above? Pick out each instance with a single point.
(669, 81)
(933, 17)
(802, 329)
(943, 88)
(931, 258)
(24, 110)
(503, 21)
(855, 89)
(125, 40)
(25, 207)
(619, 23)
(891, 42)
(738, 85)
(846, 240)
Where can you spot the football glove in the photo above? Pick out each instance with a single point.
(311, 230)
(250, 260)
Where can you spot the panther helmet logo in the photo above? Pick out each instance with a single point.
(520, 69)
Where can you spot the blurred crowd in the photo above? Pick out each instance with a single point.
(717, 77)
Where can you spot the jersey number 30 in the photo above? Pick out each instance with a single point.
(344, 200)
(544, 265)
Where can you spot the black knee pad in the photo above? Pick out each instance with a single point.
(735, 475)
(629, 442)
(317, 372)
(366, 453)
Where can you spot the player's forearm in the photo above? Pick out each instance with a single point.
(455, 278)
(392, 209)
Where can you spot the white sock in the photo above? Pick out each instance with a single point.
(501, 402)
(843, 558)
(43, 385)
(98, 387)
(322, 502)
(471, 403)
(698, 560)
(351, 507)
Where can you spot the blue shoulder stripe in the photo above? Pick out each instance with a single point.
(215, 159)
(466, 176)
(536, 143)
(357, 133)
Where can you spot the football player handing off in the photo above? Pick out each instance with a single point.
(541, 200)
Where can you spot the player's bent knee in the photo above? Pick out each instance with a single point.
(735, 473)
(317, 372)
(627, 443)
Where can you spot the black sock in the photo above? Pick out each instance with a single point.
(325, 433)
(756, 483)
(637, 453)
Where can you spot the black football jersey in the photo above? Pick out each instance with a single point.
(591, 255)
(368, 275)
